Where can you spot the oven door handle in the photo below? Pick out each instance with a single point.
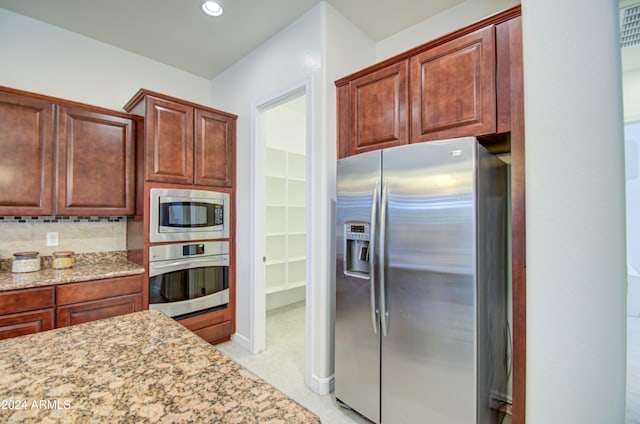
(156, 268)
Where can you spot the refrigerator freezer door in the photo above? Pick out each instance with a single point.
(357, 346)
(428, 372)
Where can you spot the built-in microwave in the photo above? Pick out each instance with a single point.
(185, 215)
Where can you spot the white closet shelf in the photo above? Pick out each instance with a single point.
(286, 206)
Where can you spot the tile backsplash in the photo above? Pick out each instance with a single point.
(79, 234)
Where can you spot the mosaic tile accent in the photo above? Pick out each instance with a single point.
(67, 219)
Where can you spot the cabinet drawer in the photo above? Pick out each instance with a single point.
(216, 333)
(23, 323)
(98, 289)
(100, 309)
(15, 301)
(205, 320)
(213, 326)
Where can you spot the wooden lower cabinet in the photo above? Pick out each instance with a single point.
(79, 313)
(29, 311)
(26, 311)
(23, 323)
(99, 299)
(214, 327)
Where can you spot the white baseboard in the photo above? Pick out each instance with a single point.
(241, 341)
(285, 297)
(322, 386)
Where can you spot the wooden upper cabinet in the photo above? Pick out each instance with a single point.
(96, 163)
(379, 104)
(26, 162)
(453, 89)
(64, 158)
(169, 142)
(214, 148)
(185, 143)
(443, 89)
(509, 88)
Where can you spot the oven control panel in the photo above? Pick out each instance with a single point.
(186, 250)
(193, 249)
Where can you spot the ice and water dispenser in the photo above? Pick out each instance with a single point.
(356, 249)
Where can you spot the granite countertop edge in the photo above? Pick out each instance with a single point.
(49, 277)
(142, 367)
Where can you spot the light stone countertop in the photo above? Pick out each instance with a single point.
(85, 272)
(142, 367)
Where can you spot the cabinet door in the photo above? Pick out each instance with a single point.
(26, 143)
(79, 313)
(86, 291)
(379, 103)
(214, 148)
(96, 164)
(15, 325)
(453, 88)
(169, 142)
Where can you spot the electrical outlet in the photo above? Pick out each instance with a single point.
(52, 238)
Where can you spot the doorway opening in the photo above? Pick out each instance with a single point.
(632, 158)
(281, 177)
(630, 55)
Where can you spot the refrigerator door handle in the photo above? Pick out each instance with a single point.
(384, 314)
(372, 263)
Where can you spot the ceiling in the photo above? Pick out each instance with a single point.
(177, 33)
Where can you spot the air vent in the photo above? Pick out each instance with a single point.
(630, 25)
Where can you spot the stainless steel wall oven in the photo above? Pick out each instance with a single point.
(189, 278)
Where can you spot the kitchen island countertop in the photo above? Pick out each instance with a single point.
(140, 367)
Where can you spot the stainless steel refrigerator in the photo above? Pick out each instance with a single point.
(421, 283)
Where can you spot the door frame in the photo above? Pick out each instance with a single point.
(257, 295)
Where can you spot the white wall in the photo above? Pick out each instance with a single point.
(45, 59)
(272, 68)
(575, 183)
(576, 276)
(443, 23)
(631, 82)
(48, 60)
(632, 171)
(285, 126)
(304, 51)
(347, 50)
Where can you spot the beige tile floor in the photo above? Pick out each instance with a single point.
(282, 364)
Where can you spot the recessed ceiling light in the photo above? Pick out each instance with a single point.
(212, 8)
